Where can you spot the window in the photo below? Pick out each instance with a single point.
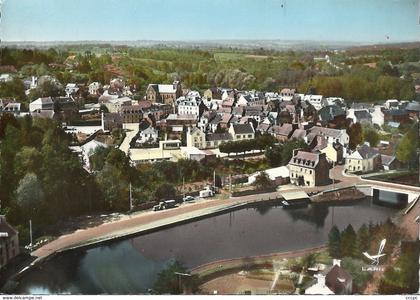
(310, 171)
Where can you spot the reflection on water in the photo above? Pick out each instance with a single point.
(131, 266)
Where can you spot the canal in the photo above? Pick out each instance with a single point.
(131, 266)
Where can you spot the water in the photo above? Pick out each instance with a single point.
(131, 266)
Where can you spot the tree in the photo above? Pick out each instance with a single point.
(359, 277)
(29, 194)
(273, 156)
(371, 136)
(288, 147)
(309, 260)
(263, 181)
(363, 239)
(356, 135)
(348, 245)
(165, 191)
(334, 240)
(407, 148)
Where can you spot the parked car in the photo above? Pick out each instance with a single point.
(188, 198)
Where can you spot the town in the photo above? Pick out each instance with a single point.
(84, 147)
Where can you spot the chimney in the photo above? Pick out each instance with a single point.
(337, 262)
(321, 279)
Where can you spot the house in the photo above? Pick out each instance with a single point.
(214, 124)
(131, 113)
(330, 112)
(196, 138)
(9, 242)
(397, 115)
(298, 134)
(389, 162)
(282, 133)
(279, 175)
(317, 101)
(242, 132)
(320, 287)
(378, 116)
(189, 106)
(332, 135)
(309, 169)
(176, 122)
(413, 108)
(148, 135)
(338, 280)
(335, 280)
(193, 153)
(250, 99)
(361, 116)
(164, 93)
(334, 152)
(255, 112)
(286, 92)
(95, 88)
(225, 121)
(215, 139)
(392, 104)
(45, 103)
(9, 106)
(71, 88)
(364, 159)
(114, 105)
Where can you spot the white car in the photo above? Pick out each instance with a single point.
(188, 198)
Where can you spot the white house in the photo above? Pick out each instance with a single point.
(250, 99)
(45, 103)
(188, 106)
(332, 135)
(149, 135)
(317, 101)
(279, 174)
(378, 116)
(71, 88)
(94, 88)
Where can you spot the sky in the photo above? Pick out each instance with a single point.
(367, 21)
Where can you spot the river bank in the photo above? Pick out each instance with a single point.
(149, 222)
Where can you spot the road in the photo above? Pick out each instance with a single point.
(146, 220)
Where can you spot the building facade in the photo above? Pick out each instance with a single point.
(309, 169)
(9, 242)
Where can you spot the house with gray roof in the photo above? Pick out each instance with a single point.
(309, 169)
(242, 132)
(363, 160)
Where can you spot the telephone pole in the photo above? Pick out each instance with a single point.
(131, 199)
(30, 233)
